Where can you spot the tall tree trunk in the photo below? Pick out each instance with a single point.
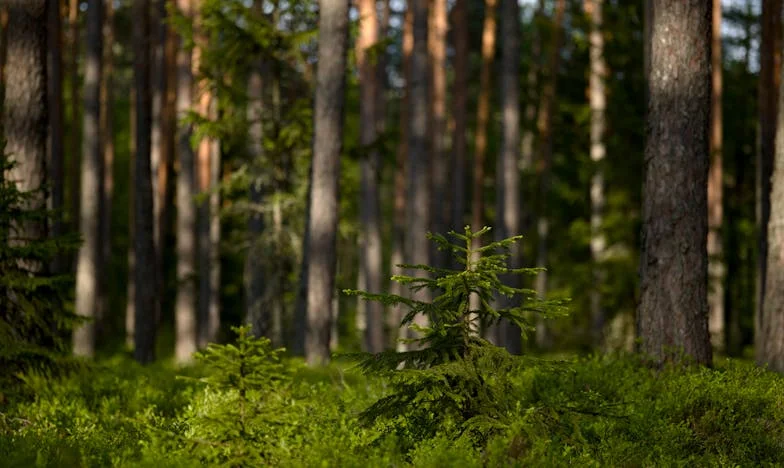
(321, 235)
(715, 189)
(673, 311)
(185, 307)
(532, 91)
(88, 269)
(25, 112)
(418, 202)
(397, 253)
(508, 172)
(107, 151)
(214, 309)
(544, 126)
(439, 209)
(56, 156)
(598, 103)
(130, 305)
(769, 77)
(74, 143)
(370, 263)
(146, 297)
(460, 100)
(3, 50)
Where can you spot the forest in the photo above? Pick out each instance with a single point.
(393, 233)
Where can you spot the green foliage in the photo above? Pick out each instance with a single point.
(454, 375)
(34, 321)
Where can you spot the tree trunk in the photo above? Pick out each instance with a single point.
(397, 255)
(460, 100)
(508, 173)
(107, 151)
(673, 311)
(598, 103)
(3, 51)
(370, 264)
(532, 91)
(74, 143)
(321, 236)
(185, 307)
(25, 113)
(56, 156)
(418, 249)
(439, 209)
(544, 125)
(769, 77)
(146, 283)
(715, 189)
(89, 268)
(130, 306)
(214, 307)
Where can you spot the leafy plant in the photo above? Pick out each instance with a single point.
(454, 376)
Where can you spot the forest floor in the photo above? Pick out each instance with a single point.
(595, 411)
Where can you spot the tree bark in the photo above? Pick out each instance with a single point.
(715, 188)
(418, 202)
(370, 164)
(527, 146)
(508, 207)
(769, 78)
(598, 104)
(321, 239)
(89, 268)
(107, 151)
(185, 306)
(74, 142)
(397, 253)
(25, 113)
(56, 156)
(130, 305)
(673, 311)
(437, 36)
(460, 100)
(146, 283)
(544, 125)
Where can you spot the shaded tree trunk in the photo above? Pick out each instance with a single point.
(74, 143)
(89, 267)
(185, 306)
(321, 234)
(146, 283)
(673, 310)
(130, 305)
(460, 100)
(715, 189)
(598, 104)
(397, 253)
(769, 77)
(56, 156)
(418, 164)
(544, 125)
(508, 208)
(370, 164)
(25, 113)
(437, 35)
(532, 89)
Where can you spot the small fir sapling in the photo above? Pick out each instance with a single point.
(454, 376)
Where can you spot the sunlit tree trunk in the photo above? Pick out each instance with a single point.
(460, 103)
(185, 306)
(507, 171)
(25, 112)
(321, 236)
(673, 312)
(370, 164)
(56, 146)
(544, 126)
(88, 269)
(769, 77)
(418, 164)
(397, 256)
(146, 283)
(598, 104)
(715, 189)
(214, 307)
(437, 35)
